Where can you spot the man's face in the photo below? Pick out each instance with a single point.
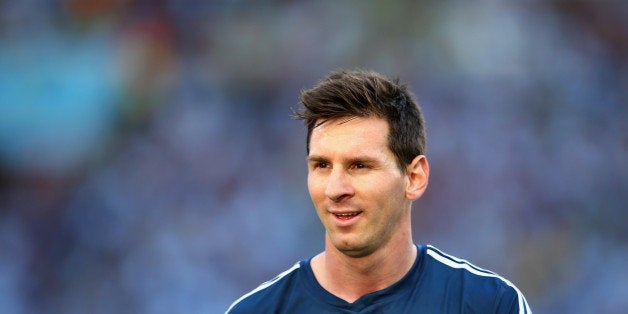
(356, 186)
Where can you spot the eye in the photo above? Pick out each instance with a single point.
(318, 163)
(358, 165)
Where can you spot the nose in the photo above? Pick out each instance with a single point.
(339, 186)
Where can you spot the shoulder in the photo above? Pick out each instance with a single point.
(266, 295)
(477, 287)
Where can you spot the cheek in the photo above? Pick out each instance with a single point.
(310, 183)
(390, 193)
(314, 188)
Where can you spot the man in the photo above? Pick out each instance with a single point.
(366, 165)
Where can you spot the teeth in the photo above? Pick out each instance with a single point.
(347, 214)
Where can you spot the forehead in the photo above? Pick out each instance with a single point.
(351, 134)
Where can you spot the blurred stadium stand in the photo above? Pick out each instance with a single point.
(149, 162)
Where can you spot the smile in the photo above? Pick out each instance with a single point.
(346, 216)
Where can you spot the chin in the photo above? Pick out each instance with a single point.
(357, 254)
(355, 251)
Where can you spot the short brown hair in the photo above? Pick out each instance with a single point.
(361, 93)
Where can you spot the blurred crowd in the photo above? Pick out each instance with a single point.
(149, 161)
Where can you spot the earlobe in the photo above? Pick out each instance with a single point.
(418, 174)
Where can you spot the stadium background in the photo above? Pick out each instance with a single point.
(149, 162)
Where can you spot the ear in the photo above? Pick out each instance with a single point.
(418, 172)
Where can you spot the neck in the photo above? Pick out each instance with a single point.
(349, 278)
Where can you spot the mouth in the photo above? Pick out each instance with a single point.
(346, 216)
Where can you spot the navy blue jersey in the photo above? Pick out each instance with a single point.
(436, 283)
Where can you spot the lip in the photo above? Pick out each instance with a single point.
(344, 219)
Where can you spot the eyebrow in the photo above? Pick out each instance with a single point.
(364, 159)
(359, 158)
(315, 158)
